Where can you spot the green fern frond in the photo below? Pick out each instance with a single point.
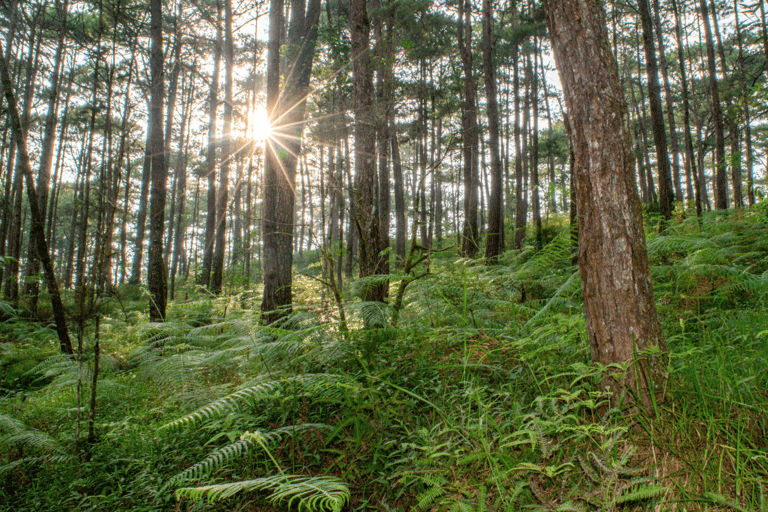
(223, 405)
(641, 492)
(10, 424)
(323, 385)
(373, 314)
(426, 498)
(321, 493)
(233, 451)
(558, 251)
(32, 461)
(722, 500)
(18, 435)
(571, 286)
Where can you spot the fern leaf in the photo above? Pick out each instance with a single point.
(643, 492)
(314, 493)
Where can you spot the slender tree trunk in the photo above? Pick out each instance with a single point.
(38, 225)
(721, 185)
(46, 157)
(764, 28)
(668, 99)
(666, 192)
(692, 181)
(15, 234)
(494, 244)
(469, 245)
(535, 188)
(287, 112)
(181, 191)
(157, 275)
(745, 102)
(385, 96)
(732, 114)
(213, 104)
(520, 219)
(521, 206)
(366, 220)
(397, 174)
(227, 154)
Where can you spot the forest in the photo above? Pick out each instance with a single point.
(384, 255)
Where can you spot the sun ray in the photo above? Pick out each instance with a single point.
(261, 128)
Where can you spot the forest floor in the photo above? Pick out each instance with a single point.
(483, 397)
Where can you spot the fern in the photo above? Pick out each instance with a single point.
(321, 493)
(426, 498)
(233, 451)
(324, 385)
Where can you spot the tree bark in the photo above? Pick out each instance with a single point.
(286, 111)
(227, 154)
(469, 238)
(692, 180)
(616, 283)
(38, 226)
(494, 244)
(666, 192)
(366, 219)
(46, 157)
(721, 184)
(669, 104)
(213, 105)
(157, 274)
(746, 111)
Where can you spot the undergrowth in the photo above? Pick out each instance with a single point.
(482, 398)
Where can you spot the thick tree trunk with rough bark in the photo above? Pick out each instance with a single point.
(616, 283)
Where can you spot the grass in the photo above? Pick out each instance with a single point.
(483, 398)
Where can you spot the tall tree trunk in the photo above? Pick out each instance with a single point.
(521, 178)
(38, 226)
(227, 154)
(469, 244)
(721, 185)
(764, 28)
(494, 244)
(731, 112)
(664, 67)
(46, 157)
(692, 180)
(666, 192)
(397, 175)
(366, 220)
(520, 219)
(181, 191)
(746, 111)
(157, 275)
(535, 189)
(213, 105)
(385, 85)
(616, 282)
(15, 234)
(287, 116)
